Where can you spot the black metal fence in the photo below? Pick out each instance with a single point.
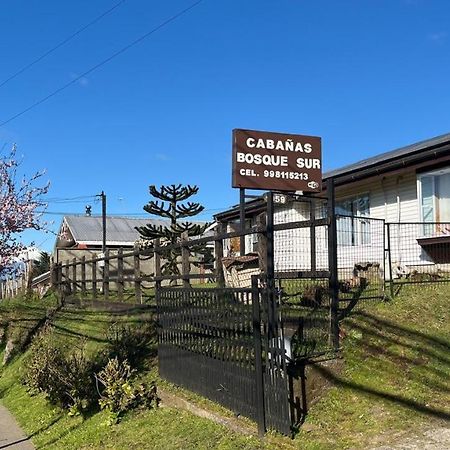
(226, 344)
(206, 343)
(419, 252)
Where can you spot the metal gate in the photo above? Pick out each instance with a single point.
(235, 345)
(227, 345)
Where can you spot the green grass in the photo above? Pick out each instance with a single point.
(395, 378)
(396, 373)
(52, 428)
(20, 317)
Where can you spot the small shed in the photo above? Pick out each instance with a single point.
(238, 270)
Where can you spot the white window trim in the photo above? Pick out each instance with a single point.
(419, 195)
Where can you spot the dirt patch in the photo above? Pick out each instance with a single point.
(435, 438)
(234, 424)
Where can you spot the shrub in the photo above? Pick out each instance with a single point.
(130, 343)
(120, 394)
(44, 359)
(67, 379)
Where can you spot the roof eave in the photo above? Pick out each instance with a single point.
(383, 167)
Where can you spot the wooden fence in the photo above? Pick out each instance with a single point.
(132, 275)
(16, 284)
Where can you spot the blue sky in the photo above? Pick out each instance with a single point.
(367, 76)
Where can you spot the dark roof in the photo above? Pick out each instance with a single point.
(382, 158)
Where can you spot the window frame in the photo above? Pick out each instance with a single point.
(419, 195)
(357, 219)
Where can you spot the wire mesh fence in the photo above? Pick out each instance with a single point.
(419, 252)
(305, 311)
(361, 261)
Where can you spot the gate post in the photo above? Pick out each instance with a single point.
(333, 265)
(218, 253)
(260, 406)
(270, 263)
(389, 254)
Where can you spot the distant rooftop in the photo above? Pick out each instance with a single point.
(119, 230)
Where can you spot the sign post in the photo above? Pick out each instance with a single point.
(277, 163)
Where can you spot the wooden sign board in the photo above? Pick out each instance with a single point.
(276, 161)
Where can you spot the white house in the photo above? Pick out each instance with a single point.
(405, 191)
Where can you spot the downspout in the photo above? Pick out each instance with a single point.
(383, 188)
(399, 217)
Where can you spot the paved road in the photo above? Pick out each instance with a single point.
(11, 435)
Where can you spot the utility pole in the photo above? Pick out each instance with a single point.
(103, 196)
(102, 262)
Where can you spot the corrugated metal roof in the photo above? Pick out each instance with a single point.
(387, 156)
(118, 229)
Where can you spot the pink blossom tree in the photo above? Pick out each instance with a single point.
(21, 207)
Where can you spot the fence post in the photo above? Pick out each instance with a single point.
(312, 217)
(391, 278)
(106, 275)
(137, 275)
(185, 266)
(218, 251)
(260, 406)
(242, 221)
(261, 223)
(333, 265)
(94, 276)
(53, 275)
(67, 283)
(270, 266)
(74, 275)
(83, 276)
(120, 273)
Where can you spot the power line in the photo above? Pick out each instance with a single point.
(124, 214)
(63, 42)
(80, 199)
(105, 61)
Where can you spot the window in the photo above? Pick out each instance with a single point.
(352, 227)
(434, 201)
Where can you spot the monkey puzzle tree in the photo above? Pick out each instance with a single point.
(19, 204)
(169, 206)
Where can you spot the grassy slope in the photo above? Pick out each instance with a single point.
(397, 372)
(397, 367)
(163, 428)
